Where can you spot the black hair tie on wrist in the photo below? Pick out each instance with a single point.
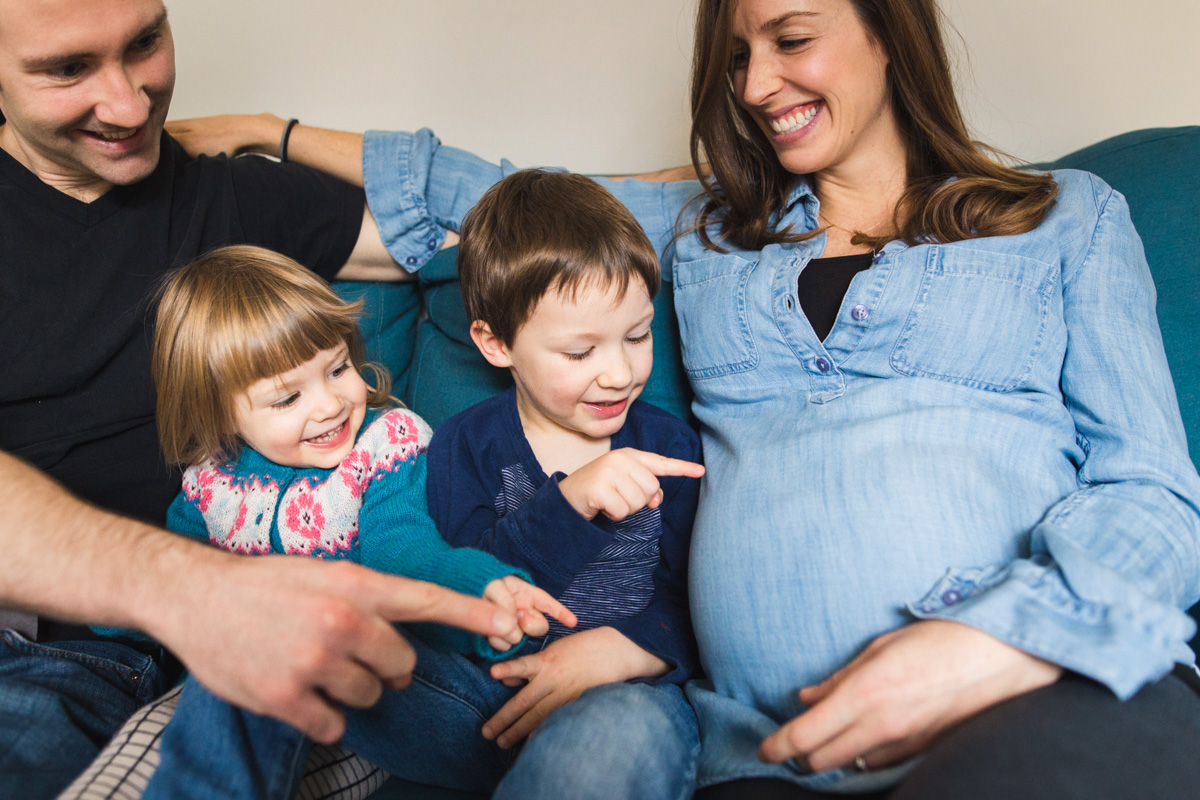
(283, 142)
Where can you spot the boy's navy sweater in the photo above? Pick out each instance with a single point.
(487, 491)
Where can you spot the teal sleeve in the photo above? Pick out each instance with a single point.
(397, 536)
(183, 517)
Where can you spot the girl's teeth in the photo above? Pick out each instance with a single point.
(794, 121)
(325, 437)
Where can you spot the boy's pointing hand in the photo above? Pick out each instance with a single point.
(621, 482)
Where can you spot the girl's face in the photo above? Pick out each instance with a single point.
(308, 416)
(815, 83)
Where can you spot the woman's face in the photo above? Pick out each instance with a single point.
(814, 81)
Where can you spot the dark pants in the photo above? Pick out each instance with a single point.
(1066, 741)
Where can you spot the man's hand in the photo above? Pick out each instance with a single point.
(565, 669)
(529, 604)
(298, 638)
(906, 688)
(621, 482)
(232, 134)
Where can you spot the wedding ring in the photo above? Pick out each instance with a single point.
(860, 764)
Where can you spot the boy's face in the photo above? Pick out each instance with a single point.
(308, 416)
(578, 363)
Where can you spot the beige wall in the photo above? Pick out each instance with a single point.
(601, 85)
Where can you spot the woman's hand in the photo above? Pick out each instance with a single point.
(905, 689)
(558, 674)
(232, 134)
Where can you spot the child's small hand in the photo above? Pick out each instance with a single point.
(621, 482)
(558, 674)
(529, 604)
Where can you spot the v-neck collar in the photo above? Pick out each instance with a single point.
(81, 213)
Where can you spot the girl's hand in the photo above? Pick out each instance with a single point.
(904, 690)
(232, 134)
(529, 604)
(558, 674)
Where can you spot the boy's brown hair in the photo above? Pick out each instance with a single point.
(537, 231)
(227, 320)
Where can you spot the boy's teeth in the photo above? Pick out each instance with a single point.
(793, 121)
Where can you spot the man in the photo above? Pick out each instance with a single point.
(95, 204)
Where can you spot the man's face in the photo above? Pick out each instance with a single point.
(84, 87)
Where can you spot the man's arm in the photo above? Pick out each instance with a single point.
(290, 637)
(338, 153)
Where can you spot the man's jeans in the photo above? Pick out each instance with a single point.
(620, 740)
(60, 703)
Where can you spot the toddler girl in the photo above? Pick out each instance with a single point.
(289, 451)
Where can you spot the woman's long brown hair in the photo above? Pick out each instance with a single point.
(750, 187)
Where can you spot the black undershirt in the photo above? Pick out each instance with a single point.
(823, 285)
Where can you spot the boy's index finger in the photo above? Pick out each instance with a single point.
(665, 465)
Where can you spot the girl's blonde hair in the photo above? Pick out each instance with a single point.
(229, 319)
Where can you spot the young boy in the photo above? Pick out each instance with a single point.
(561, 476)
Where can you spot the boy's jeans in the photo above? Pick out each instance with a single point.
(615, 741)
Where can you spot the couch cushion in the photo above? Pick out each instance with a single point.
(388, 324)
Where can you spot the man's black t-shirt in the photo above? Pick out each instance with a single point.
(76, 316)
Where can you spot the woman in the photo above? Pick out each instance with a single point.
(949, 517)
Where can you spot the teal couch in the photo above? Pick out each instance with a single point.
(438, 372)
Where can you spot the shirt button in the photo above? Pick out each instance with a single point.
(823, 365)
(950, 597)
(411, 261)
(432, 244)
(860, 312)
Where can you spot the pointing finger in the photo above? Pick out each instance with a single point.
(407, 600)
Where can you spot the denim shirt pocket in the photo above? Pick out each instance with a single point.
(979, 318)
(710, 302)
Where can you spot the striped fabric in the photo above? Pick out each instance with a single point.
(123, 768)
(619, 581)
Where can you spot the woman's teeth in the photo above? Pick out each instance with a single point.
(795, 121)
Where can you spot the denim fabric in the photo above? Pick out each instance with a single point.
(429, 734)
(620, 740)
(628, 740)
(211, 750)
(989, 434)
(60, 703)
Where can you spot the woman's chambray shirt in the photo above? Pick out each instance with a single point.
(989, 434)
